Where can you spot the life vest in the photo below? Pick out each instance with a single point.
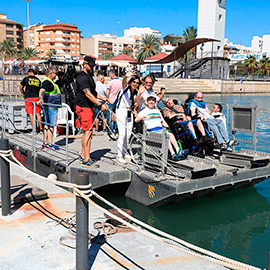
(53, 97)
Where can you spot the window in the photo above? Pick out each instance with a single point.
(47, 33)
(8, 38)
(220, 17)
(9, 32)
(9, 25)
(78, 52)
(78, 46)
(168, 69)
(72, 33)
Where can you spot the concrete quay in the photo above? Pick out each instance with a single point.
(30, 239)
(10, 85)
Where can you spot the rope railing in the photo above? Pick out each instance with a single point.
(86, 192)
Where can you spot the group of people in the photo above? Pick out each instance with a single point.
(133, 99)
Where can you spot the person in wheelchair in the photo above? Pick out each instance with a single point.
(154, 122)
(198, 109)
(175, 115)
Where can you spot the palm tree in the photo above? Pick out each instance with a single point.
(149, 47)
(8, 47)
(189, 34)
(51, 53)
(264, 65)
(179, 41)
(27, 53)
(251, 63)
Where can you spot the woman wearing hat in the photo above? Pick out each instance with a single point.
(124, 114)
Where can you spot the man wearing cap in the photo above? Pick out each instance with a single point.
(86, 97)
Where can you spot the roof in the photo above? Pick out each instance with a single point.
(61, 26)
(122, 57)
(9, 21)
(158, 56)
(179, 51)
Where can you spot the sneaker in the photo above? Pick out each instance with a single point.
(81, 159)
(45, 145)
(232, 143)
(182, 153)
(207, 139)
(89, 164)
(127, 157)
(121, 160)
(54, 147)
(175, 157)
(224, 147)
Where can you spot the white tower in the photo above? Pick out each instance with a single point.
(211, 24)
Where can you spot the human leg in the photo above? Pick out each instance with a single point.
(215, 130)
(222, 129)
(121, 122)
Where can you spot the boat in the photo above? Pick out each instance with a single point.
(154, 180)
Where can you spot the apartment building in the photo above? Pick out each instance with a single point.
(11, 30)
(33, 34)
(139, 31)
(102, 46)
(62, 37)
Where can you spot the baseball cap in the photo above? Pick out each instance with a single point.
(90, 61)
(152, 96)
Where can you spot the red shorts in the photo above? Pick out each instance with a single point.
(29, 106)
(86, 116)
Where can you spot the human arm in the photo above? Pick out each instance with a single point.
(21, 89)
(102, 98)
(41, 95)
(161, 93)
(139, 96)
(93, 99)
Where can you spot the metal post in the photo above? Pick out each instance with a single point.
(34, 136)
(212, 60)
(67, 129)
(82, 221)
(5, 180)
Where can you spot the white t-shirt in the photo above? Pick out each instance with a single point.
(220, 116)
(101, 89)
(202, 111)
(145, 95)
(155, 120)
(125, 101)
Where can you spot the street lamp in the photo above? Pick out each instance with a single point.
(28, 21)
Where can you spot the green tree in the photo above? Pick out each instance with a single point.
(264, 65)
(149, 47)
(127, 51)
(51, 53)
(107, 56)
(251, 63)
(179, 41)
(8, 47)
(190, 33)
(27, 53)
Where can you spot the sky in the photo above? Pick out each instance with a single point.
(244, 18)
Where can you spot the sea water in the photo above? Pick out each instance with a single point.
(233, 224)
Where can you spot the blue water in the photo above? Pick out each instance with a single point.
(234, 224)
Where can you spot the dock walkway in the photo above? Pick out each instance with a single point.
(30, 240)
